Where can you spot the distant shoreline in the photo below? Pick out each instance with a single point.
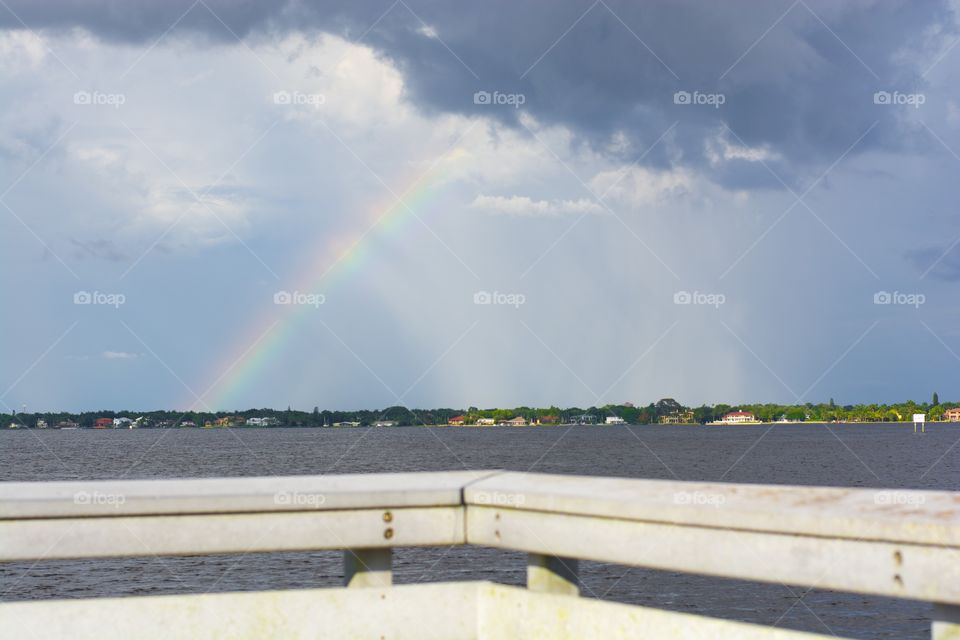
(481, 427)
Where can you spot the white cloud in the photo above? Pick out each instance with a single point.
(107, 355)
(524, 206)
(119, 355)
(21, 50)
(636, 186)
(720, 149)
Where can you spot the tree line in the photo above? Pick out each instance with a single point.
(403, 416)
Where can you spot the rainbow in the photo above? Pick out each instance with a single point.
(238, 371)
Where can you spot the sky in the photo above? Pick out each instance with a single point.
(219, 205)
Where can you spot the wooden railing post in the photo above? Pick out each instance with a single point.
(368, 567)
(552, 574)
(946, 622)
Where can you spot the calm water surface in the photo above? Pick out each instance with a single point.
(889, 456)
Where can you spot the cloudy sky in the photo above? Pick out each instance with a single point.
(227, 204)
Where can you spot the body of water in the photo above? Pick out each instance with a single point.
(887, 456)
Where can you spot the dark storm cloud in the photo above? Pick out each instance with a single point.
(804, 91)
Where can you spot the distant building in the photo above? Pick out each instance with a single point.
(188, 423)
(615, 420)
(103, 423)
(952, 415)
(41, 424)
(486, 422)
(678, 417)
(346, 424)
(519, 421)
(738, 417)
(549, 420)
(262, 422)
(67, 424)
(121, 422)
(457, 421)
(385, 423)
(585, 418)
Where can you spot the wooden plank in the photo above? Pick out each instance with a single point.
(233, 495)
(229, 533)
(919, 572)
(917, 517)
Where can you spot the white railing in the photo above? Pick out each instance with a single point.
(902, 544)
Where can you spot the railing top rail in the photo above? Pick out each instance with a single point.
(72, 499)
(915, 517)
(902, 544)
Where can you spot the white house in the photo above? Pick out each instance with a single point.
(615, 420)
(262, 422)
(121, 422)
(738, 417)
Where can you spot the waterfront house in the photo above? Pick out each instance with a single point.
(952, 415)
(67, 424)
(585, 418)
(262, 422)
(519, 421)
(456, 421)
(385, 423)
(738, 417)
(41, 424)
(549, 420)
(615, 420)
(678, 417)
(121, 422)
(486, 422)
(103, 423)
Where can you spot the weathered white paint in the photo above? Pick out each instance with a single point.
(450, 611)
(427, 612)
(919, 572)
(902, 544)
(512, 612)
(195, 534)
(917, 517)
(233, 495)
